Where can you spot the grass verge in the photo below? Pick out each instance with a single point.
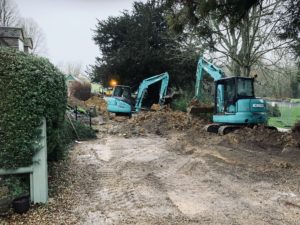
(289, 116)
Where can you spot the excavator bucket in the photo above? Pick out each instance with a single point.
(156, 107)
(199, 109)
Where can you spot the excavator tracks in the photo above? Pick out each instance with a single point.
(223, 129)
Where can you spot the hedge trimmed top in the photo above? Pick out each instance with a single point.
(30, 88)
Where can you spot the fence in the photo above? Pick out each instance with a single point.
(38, 171)
(82, 117)
(290, 114)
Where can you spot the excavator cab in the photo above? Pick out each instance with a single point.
(235, 102)
(120, 101)
(230, 90)
(122, 92)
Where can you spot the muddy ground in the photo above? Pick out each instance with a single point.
(162, 168)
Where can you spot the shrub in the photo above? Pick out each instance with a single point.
(273, 111)
(30, 88)
(81, 91)
(18, 185)
(181, 102)
(84, 131)
(68, 135)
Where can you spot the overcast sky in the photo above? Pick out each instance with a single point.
(68, 25)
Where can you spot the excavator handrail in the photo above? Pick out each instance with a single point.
(164, 77)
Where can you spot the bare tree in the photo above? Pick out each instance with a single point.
(10, 17)
(238, 44)
(72, 68)
(32, 30)
(252, 40)
(9, 14)
(278, 79)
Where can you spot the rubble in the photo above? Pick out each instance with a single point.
(296, 127)
(165, 122)
(265, 138)
(156, 122)
(246, 157)
(156, 107)
(197, 108)
(97, 102)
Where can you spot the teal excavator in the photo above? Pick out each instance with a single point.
(122, 103)
(235, 104)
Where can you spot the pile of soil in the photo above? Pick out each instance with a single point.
(259, 139)
(264, 138)
(296, 128)
(72, 101)
(94, 101)
(162, 122)
(166, 122)
(97, 102)
(197, 108)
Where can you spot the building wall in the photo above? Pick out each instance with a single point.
(21, 45)
(11, 42)
(27, 49)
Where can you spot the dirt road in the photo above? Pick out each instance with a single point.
(157, 180)
(162, 168)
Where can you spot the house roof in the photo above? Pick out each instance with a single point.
(70, 77)
(11, 32)
(28, 42)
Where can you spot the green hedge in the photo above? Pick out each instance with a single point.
(68, 135)
(30, 88)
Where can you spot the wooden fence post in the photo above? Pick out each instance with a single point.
(38, 171)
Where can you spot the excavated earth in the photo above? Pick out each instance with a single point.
(162, 168)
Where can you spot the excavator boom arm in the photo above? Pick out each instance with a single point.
(164, 78)
(213, 71)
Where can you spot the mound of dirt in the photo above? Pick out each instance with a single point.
(197, 108)
(94, 101)
(97, 102)
(160, 122)
(72, 101)
(296, 127)
(165, 122)
(264, 140)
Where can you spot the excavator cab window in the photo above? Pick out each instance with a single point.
(122, 91)
(219, 95)
(245, 88)
(126, 93)
(230, 90)
(226, 95)
(117, 91)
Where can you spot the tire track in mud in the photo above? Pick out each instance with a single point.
(129, 189)
(142, 181)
